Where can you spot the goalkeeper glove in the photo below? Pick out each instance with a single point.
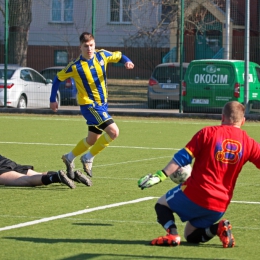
(150, 180)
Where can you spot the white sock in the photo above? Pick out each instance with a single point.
(88, 156)
(71, 156)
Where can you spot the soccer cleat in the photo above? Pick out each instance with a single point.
(66, 180)
(87, 165)
(168, 240)
(70, 166)
(82, 178)
(224, 233)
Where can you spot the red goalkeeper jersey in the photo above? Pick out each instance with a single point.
(220, 153)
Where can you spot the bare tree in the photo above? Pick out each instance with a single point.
(168, 18)
(20, 18)
(152, 34)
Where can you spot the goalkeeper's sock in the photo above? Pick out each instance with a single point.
(81, 147)
(201, 235)
(102, 142)
(166, 218)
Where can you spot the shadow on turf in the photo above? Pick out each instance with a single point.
(118, 256)
(111, 256)
(91, 224)
(104, 241)
(52, 187)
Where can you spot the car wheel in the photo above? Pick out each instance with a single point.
(151, 103)
(22, 103)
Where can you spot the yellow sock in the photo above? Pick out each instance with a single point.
(102, 142)
(81, 147)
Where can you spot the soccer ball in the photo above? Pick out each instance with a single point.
(182, 174)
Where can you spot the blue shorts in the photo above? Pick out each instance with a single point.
(187, 210)
(95, 114)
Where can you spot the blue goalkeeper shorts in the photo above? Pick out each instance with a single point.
(187, 210)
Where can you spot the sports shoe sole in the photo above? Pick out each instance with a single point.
(66, 180)
(82, 178)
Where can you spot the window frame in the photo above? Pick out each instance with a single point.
(121, 12)
(62, 13)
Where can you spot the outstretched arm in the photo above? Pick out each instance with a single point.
(54, 90)
(180, 159)
(171, 167)
(128, 63)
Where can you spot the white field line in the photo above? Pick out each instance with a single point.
(69, 216)
(119, 163)
(79, 119)
(111, 146)
(245, 202)
(34, 222)
(105, 165)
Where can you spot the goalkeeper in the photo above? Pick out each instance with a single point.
(220, 153)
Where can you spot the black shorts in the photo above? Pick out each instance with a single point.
(99, 129)
(7, 165)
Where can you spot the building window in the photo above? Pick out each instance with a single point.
(60, 58)
(120, 11)
(62, 11)
(167, 12)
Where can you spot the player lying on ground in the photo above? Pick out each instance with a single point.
(13, 174)
(220, 153)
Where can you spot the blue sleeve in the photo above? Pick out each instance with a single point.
(182, 157)
(124, 59)
(55, 86)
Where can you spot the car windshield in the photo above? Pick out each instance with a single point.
(164, 74)
(9, 73)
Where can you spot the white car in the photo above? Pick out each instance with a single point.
(25, 88)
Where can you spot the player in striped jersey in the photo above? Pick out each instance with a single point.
(89, 73)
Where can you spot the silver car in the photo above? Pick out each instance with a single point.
(163, 86)
(25, 88)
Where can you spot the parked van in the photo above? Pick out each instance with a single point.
(209, 84)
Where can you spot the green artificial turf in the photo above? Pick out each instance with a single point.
(113, 219)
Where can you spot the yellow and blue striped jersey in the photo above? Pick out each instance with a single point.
(90, 76)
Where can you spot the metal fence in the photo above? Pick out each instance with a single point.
(44, 33)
